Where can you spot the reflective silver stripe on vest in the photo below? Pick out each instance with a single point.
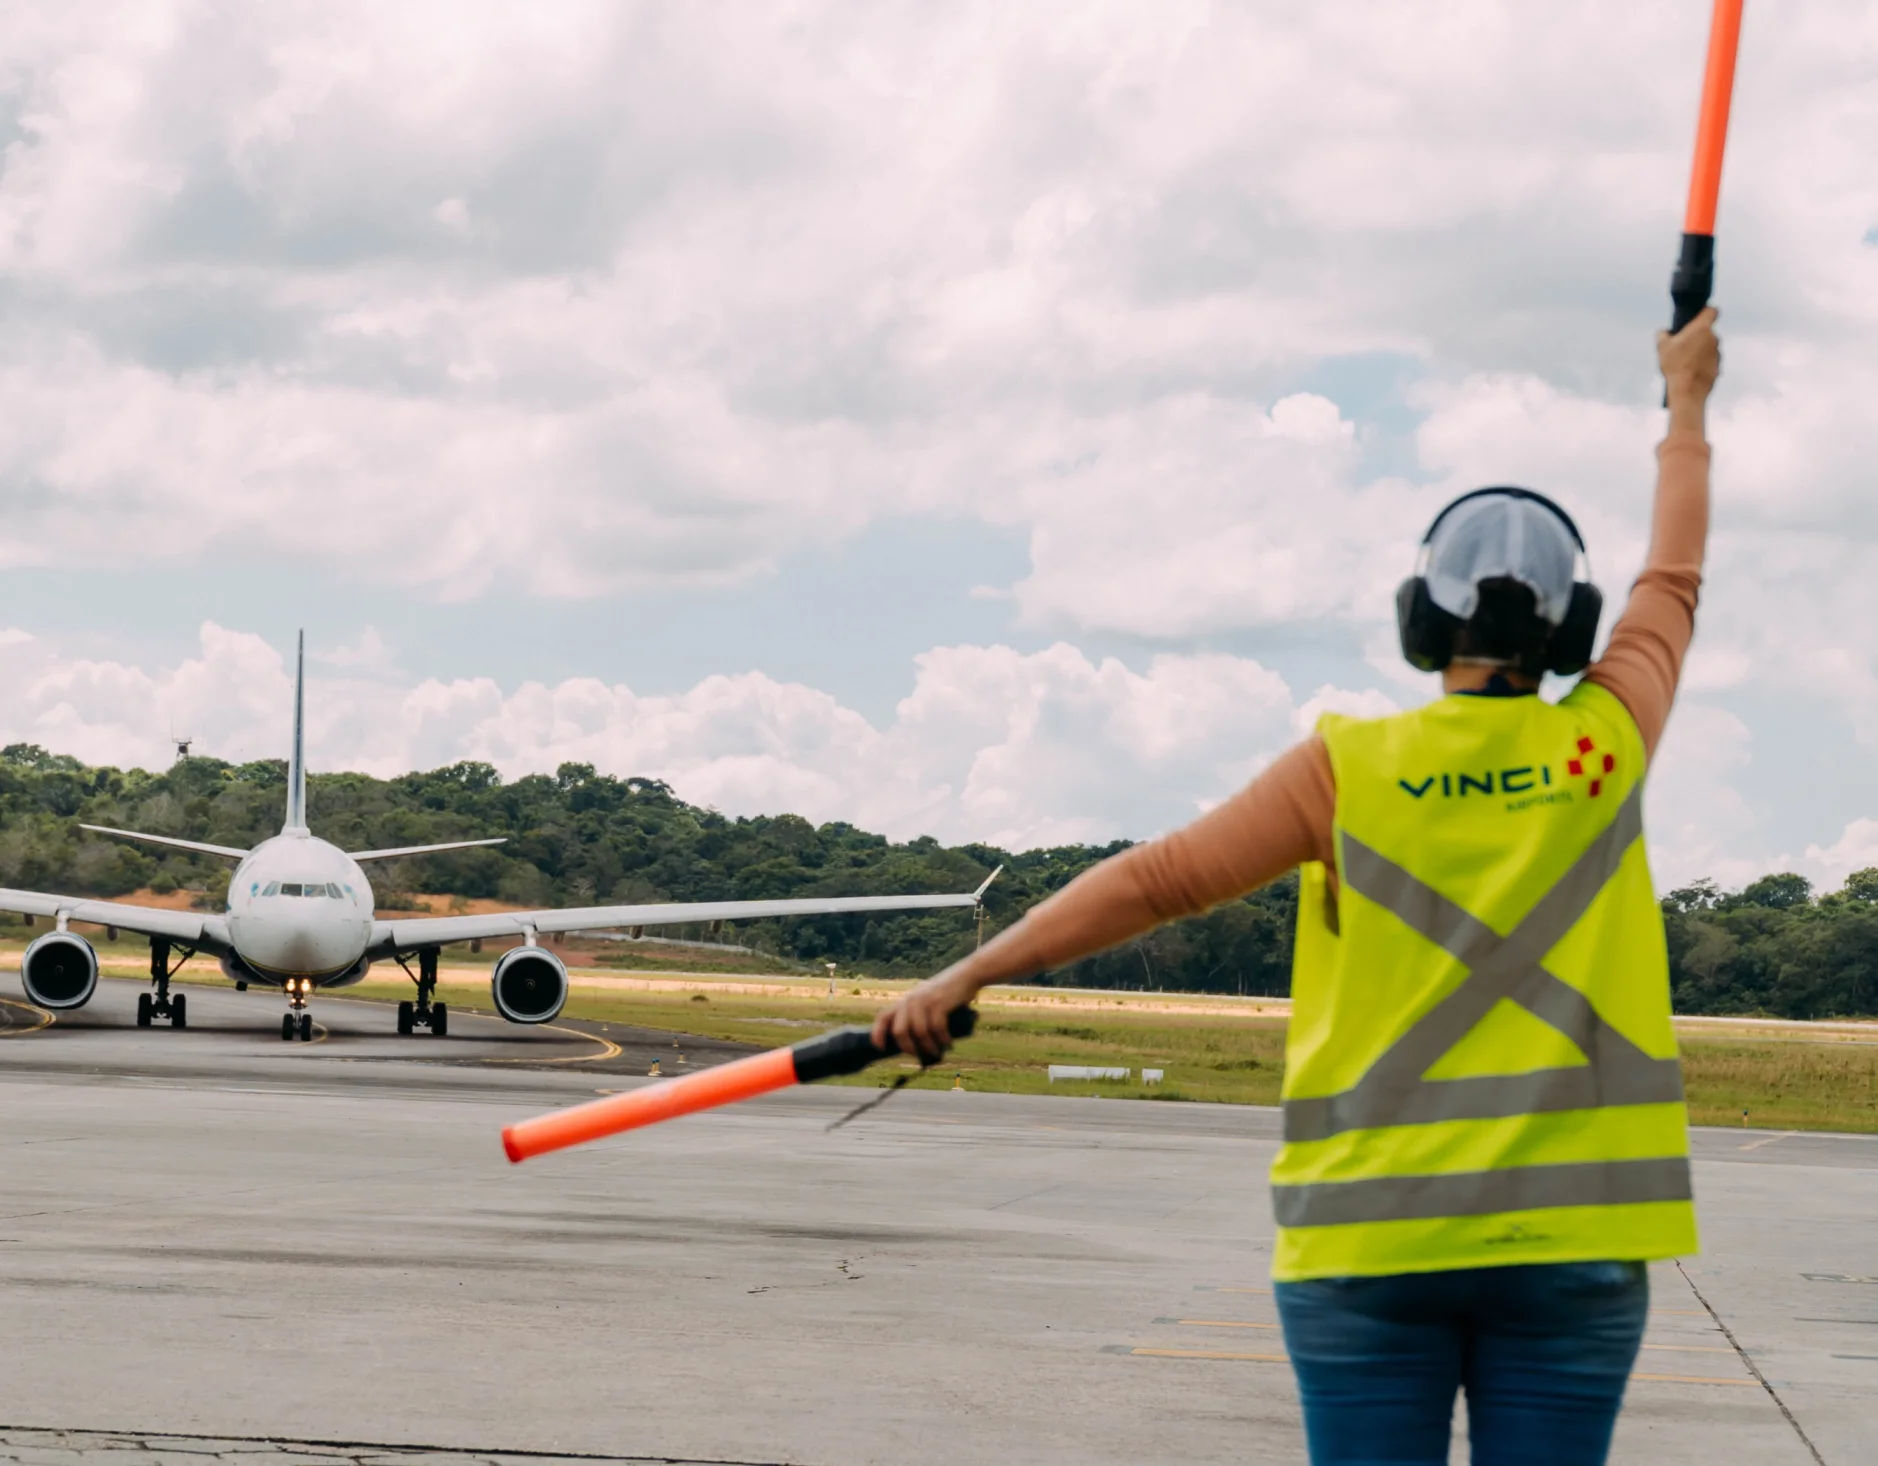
(1482, 1193)
(1393, 1091)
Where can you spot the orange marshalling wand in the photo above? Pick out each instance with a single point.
(844, 1051)
(1694, 280)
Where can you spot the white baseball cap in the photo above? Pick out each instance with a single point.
(1497, 534)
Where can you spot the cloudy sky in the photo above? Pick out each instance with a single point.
(995, 421)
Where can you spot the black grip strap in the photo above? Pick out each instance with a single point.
(850, 1050)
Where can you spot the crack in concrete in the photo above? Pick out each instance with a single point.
(53, 1446)
(1753, 1368)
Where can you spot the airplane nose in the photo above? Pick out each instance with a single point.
(296, 948)
(289, 941)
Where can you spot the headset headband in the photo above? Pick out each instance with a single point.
(1510, 491)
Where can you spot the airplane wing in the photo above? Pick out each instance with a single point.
(362, 855)
(429, 931)
(196, 929)
(228, 850)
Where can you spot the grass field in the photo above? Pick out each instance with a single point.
(1785, 1076)
(1790, 1081)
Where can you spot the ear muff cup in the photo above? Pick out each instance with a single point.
(1426, 630)
(1568, 651)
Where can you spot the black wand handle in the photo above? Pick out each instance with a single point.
(1694, 280)
(1691, 285)
(850, 1050)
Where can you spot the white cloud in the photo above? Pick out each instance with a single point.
(620, 294)
(1015, 749)
(1699, 824)
(1855, 849)
(368, 654)
(559, 300)
(991, 744)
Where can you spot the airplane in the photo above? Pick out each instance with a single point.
(301, 918)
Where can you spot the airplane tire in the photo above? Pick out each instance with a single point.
(286, 1025)
(144, 1006)
(306, 1028)
(404, 1017)
(439, 1019)
(179, 1011)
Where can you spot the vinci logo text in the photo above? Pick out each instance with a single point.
(1489, 781)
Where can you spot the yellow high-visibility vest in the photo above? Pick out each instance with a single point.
(1480, 1068)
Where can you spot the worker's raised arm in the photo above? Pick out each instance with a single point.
(1642, 663)
(1279, 820)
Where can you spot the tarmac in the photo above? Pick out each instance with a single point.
(214, 1244)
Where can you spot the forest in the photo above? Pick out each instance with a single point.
(578, 837)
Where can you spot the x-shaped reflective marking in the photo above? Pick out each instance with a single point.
(1393, 1091)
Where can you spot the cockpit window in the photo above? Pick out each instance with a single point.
(290, 888)
(272, 888)
(333, 891)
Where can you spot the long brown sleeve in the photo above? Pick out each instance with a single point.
(1279, 820)
(1642, 663)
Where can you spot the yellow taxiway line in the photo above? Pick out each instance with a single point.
(608, 1049)
(46, 1020)
(1215, 1323)
(1691, 1348)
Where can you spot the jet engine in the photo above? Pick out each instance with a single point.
(529, 985)
(60, 971)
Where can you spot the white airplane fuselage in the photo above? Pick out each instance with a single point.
(300, 907)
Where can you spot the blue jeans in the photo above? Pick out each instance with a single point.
(1543, 1353)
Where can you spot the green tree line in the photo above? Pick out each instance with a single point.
(578, 837)
(1775, 947)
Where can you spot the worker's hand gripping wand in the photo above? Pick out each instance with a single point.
(844, 1051)
(1694, 279)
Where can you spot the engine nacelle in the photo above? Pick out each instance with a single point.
(529, 985)
(239, 973)
(59, 971)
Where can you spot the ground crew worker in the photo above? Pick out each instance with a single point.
(1485, 1139)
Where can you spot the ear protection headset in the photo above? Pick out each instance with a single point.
(1428, 631)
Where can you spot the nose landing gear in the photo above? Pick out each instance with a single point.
(296, 1022)
(423, 1013)
(151, 1006)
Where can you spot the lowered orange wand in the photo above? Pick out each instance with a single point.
(844, 1051)
(1694, 280)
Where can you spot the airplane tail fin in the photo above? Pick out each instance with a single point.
(296, 766)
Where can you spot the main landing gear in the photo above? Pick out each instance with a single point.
(423, 1013)
(296, 1022)
(151, 1006)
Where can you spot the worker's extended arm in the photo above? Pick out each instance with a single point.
(1283, 818)
(1642, 663)
(1279, 820)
